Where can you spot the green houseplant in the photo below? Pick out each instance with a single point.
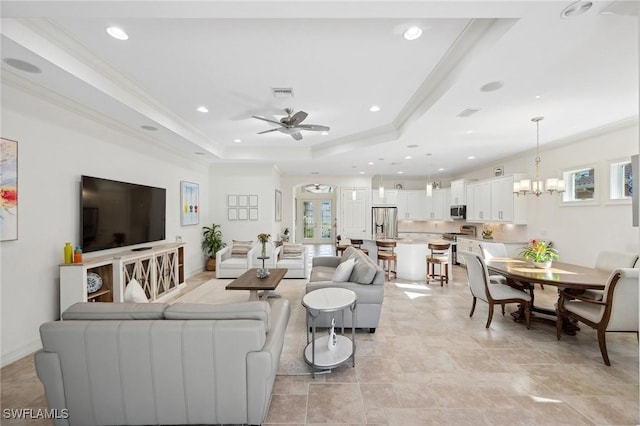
(212, 243)
(540, 252)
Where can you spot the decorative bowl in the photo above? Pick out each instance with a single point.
(94, 282)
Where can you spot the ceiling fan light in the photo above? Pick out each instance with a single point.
(117, 33)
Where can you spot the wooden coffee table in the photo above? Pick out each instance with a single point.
(250, 281)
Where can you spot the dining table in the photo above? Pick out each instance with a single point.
(523, 274)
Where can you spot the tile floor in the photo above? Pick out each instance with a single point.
(429, 363)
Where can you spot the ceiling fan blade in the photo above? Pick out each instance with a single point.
(267, 120)
(314, 127)
(297, 136)
(297, 118)
(267, 131)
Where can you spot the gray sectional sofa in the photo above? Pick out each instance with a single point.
(143, 364)
(366, 280)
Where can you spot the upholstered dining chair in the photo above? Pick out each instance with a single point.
(609, 260)
(493, 250)
(616, 312)
(498, 294)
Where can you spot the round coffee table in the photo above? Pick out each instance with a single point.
(317, 353)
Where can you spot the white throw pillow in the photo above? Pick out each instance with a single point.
(135, 293)
(343, 271)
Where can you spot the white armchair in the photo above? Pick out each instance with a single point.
(230, 265)
(297, 265)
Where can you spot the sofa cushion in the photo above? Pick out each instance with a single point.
(321, 273)
(134, 293)
(343, 271)
(290, 250)
(235, 262)
(240, 248)
(295, 263)
(114, 311)
(364, 271)
(255, 310)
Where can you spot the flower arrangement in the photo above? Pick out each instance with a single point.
(487, 232)
(539, 251)
(264, 239)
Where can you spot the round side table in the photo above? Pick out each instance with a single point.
(316, 353)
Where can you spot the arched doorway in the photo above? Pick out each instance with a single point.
(315, 217)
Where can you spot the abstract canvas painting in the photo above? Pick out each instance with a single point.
(190, 203)
(8, 189)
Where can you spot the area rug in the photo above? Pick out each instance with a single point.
(291, 361)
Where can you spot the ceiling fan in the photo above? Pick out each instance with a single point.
(290, 125)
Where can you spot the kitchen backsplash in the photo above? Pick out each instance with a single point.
(501, 231)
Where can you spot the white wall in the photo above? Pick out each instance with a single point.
(56, 147)
(248, 179)
(579, 232)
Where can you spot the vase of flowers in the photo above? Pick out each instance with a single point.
(264, 239)
(541, 253)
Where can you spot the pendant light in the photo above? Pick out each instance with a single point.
(381, 188)
(429, 187)
(537, 187)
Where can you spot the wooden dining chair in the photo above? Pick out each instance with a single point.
(616, 312)
(493, 294)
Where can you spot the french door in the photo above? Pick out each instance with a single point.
(317, 220)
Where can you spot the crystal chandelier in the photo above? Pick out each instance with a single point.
(537, 187)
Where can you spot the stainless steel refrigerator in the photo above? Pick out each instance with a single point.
(384, 222)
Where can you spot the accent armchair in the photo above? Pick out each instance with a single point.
(616, 312)
(232, 265)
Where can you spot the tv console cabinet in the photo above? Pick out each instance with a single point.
(159, 270)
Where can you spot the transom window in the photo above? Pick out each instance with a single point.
(580, 185)
(620, 184)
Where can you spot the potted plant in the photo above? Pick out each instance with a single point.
(540, 252)
(211, 244)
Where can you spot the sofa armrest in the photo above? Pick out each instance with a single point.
(50, 374)
(250, 257)
(277, 254)
(223, 254)
(331, 261)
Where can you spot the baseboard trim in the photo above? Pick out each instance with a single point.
(16, 354)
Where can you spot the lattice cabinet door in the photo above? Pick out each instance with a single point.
(166, 272)
(141, 269)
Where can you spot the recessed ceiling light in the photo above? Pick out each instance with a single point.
(324, 133)
(117, 33)
(576, 9)
(441, 169)
(471, 157)
(492, 87)
(149, 128)
(412, 146)
(408, 157)
(237, 140)
(538, 96)
(374, 108)
(361, 173)
(22, 65)
(203, 109)
(371, 163)
(412, 33)
(400, 172)
(469, 131)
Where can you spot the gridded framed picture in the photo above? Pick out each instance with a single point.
(189, 203)
(232, 201)
(253, 201)
(243, 213)
(243, 200)
(278, 212)
(232, 213)
(253, 213)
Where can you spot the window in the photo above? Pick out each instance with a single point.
(580, 185)
(620, 186)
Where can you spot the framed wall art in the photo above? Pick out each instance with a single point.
(243, 200)
(243, 213)
(232, 214)
(253, 201)
(253, 213)
(189, 203)
(232, 201)
(9, 190)
(278, 212)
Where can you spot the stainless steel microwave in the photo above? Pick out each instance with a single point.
(458, 212)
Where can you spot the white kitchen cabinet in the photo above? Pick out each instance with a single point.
(479, 201)
(505, 206)
(390, 198)
(412, 205)
(437, 206)
(467, 244)
(459, 191)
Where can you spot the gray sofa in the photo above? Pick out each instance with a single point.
(137, 364)
(366, 280)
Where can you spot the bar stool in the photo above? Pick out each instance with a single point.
(358, 244)
(340, 248)
(439, 256)
(386, 253)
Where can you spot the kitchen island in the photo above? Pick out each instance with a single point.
(412, 256)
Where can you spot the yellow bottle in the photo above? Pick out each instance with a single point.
(68, 253)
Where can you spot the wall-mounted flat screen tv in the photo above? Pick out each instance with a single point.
(117, 214)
